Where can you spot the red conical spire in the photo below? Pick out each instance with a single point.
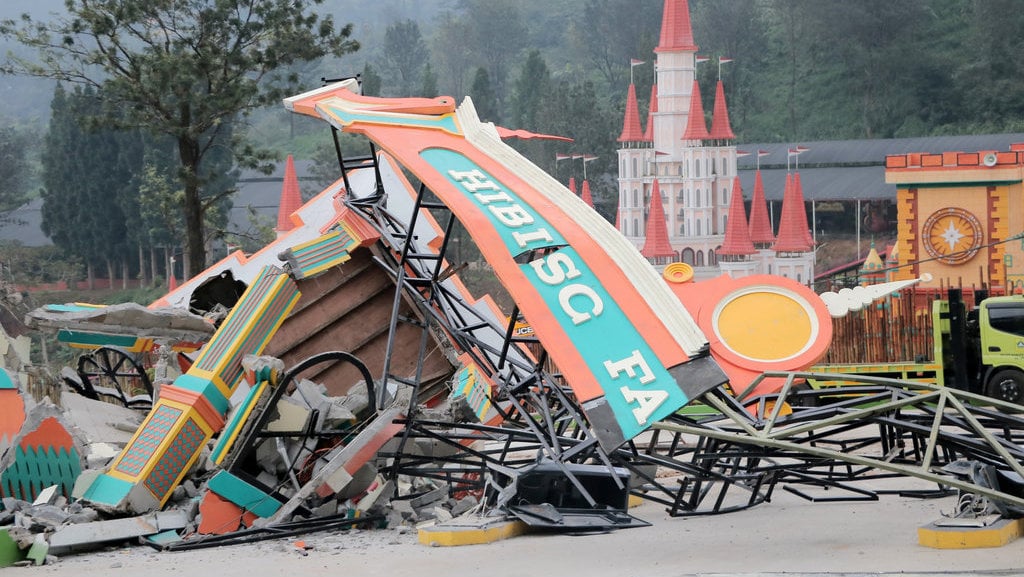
(631, 131)
(585, 194)
(792, 235)
(291, 198)
(737, 237)
(676, 33)
(651, 109)
(656, 244)
(798, 193)
(720, 128)
(760, 223)
(572, 184)
(696, 126)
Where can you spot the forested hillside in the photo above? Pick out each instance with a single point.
(800, 70)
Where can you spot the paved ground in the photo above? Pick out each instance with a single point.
(788, 536)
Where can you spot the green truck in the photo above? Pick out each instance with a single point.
(980, 350)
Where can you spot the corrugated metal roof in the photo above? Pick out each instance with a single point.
(852, 169)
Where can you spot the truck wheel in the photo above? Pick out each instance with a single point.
(1007, 385)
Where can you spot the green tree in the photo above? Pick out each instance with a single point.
(448, 45)
(495, 51)
(482, 94)
(530, 89)
(370, 81)
(429, 89)
(184, 69)
(15, 170)
(82, 181)
(405, 53)
(609, 33)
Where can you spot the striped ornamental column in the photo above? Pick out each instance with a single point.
(193, 408)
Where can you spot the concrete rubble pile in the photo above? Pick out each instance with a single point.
(40, 522)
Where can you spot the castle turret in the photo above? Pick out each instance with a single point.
(794, 249)
(760, 228)
(720, 127)
(291, 198)
(631, 131)
(585, 194)
(696, 125)
(656, 246)
(735, 256)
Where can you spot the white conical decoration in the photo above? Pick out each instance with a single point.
(841, 303)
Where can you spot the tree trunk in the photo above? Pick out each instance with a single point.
(142, 267)
(110, 273)
(195, 248)
(90, 276)
(153, 272)
(124, 275)
(168, 265)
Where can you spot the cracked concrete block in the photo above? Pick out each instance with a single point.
(172, 519)
(442, 515)
(464, 505)
(48, 516)
(326, 509)
(338, 415)
(381, 492)
(313, 394)
(84, 481)
(430, 497)
(86, 536)
(46, 496)
(288, 415)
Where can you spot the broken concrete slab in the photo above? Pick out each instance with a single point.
(100, 422)
(88, 536)
(123, 319)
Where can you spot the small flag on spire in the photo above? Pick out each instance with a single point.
(635, 62)
(562, 157)
(742, 153)
(588, 157)
(723, 59)
(702, 58)
(761, 153)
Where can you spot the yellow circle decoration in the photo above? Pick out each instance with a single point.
(678, 272)
(765, 324)
(952, 235)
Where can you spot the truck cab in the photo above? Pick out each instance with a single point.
(982, 350)
(1001, 334)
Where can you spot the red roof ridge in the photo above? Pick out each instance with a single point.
(760, 223)
(737, 237)
(656, 244)
(696, 126)
(631, 131)
(676, 32)
(720, 127)
(585, 194)
(651, 109)
(291, 198)
(798, 194)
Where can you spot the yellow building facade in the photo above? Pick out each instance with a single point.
(961, 217)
